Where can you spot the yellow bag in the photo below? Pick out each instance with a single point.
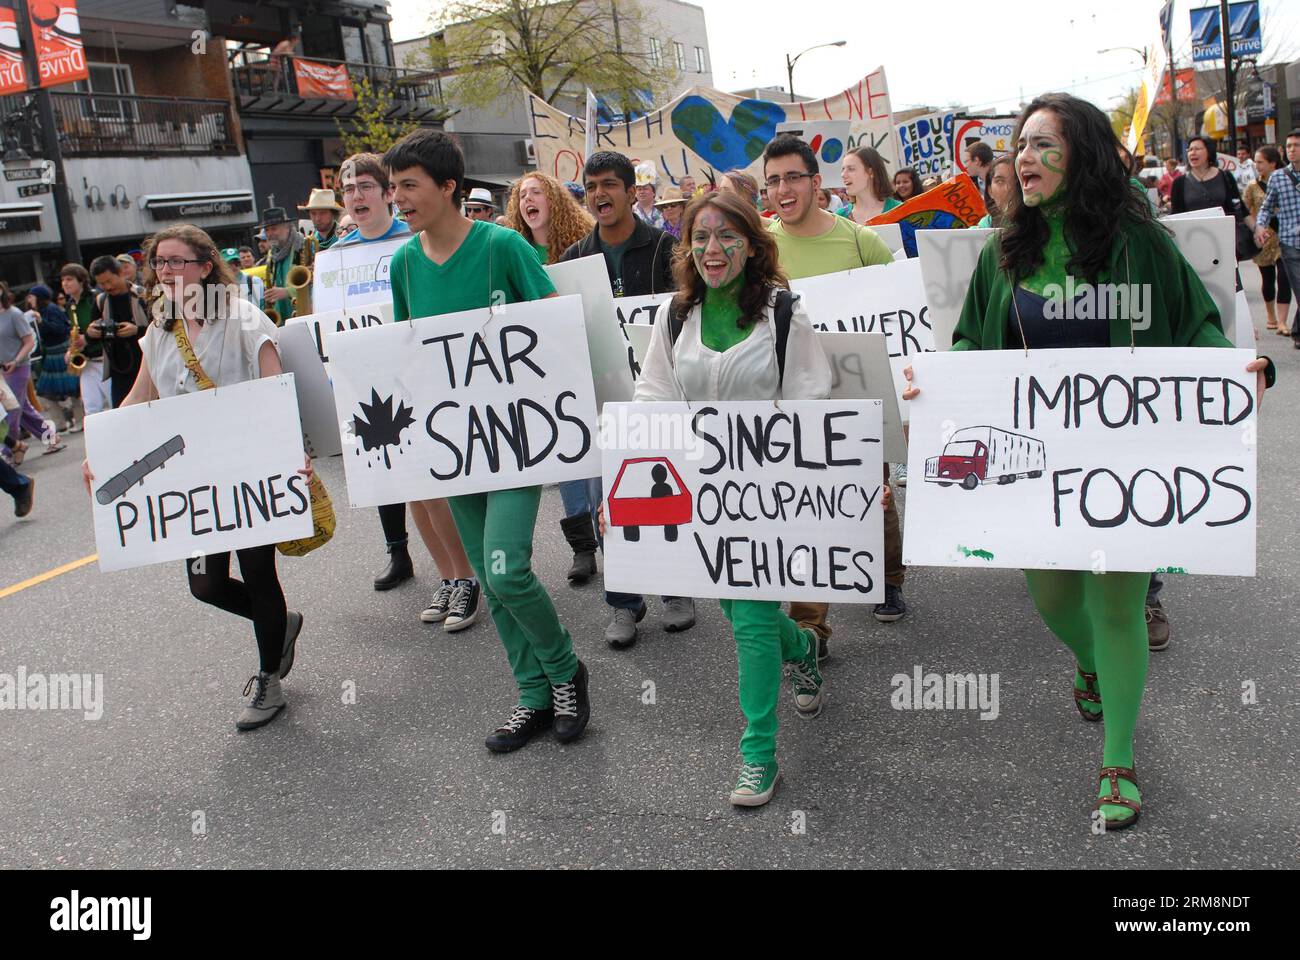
(322, 508)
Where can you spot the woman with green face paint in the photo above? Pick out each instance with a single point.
(725, 348)
(1072, 212)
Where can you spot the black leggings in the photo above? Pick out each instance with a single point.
(1275, 282)
(392, 517)
(258, 597)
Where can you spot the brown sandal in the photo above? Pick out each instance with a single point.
(1118, 799)
(1090, 695)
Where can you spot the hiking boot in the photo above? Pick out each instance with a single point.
(399, 569)
(581, 536)
(806, 680)
(755, 785)
(679, 614)
(1157, 627)
(292, 627)
(893, 608)
(524, 724)
(621, 632)
(571, 705)
(265, 701)
(464, 607)
(436, 611)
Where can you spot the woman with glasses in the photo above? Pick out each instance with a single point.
(188, 284)
(1077, 218)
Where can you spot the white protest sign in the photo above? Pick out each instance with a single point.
(925, 144)
(201, 473)
(643, 310)
(1099, 459)
(747, 500)
(466, 402)
(357, 317)
(891, 234)
(298, 355)
(609, 355)
(829, 140)
(353, 275)
(887, 298)
(1204, 214)
(638, 335)
(861, 370)
(1242, 332)
(1210, 246)
(948, 259)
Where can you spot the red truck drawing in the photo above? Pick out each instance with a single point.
(975, 455)
(652, 502)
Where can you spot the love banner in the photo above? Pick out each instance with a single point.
(706, 132)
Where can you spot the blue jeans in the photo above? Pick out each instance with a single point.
(583, 496)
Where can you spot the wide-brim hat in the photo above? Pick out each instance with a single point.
(671, 195)
(321, 199)
(274, 215)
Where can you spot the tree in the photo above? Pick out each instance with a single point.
(370, 130)
(496, 47)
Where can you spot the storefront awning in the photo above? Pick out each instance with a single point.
(20, 217)
(187, 206)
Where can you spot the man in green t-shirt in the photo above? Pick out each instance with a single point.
(454, 264)
(810, 242)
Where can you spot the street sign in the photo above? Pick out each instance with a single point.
(33, 189)
(1244, 29)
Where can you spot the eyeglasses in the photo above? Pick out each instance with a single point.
(176, 264)
(793, 179)
(352, 189)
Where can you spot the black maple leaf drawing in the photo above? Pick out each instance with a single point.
(381, 426)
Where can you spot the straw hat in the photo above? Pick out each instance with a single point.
(321, 199)
(671, 195)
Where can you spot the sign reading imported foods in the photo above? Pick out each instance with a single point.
(186, 477)
(465, 402)
(1101, 459)
(745, 500)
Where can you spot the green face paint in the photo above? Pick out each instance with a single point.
(718, 248)
(1041, 158)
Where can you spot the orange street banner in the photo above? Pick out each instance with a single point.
(953, 205)
(325, 80)
(13, 77)
(60, 56)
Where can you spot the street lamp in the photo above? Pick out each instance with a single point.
(789, 63)
(1140, 53)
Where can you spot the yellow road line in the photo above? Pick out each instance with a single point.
(48, 575)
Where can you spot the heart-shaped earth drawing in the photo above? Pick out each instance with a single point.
(726, 144)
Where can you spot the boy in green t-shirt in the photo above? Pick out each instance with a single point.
(454, 264)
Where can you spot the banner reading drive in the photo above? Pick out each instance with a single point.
(1093, 459)
(465, 402)
(744, 500)
(353, 275)
(186, 476)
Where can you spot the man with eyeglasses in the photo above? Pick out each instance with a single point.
(810, 242)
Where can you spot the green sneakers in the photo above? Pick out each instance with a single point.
(806, 680)
(755, 785)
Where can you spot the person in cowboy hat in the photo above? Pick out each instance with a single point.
(285, 250)
(479, 205)
(671, 205)
(324, 212)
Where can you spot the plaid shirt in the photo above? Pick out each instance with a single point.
(1282, 201)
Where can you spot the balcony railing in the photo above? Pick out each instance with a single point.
(98, 124)
(269, 84)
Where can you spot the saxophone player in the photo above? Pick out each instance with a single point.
(324, 212)
(287, 250)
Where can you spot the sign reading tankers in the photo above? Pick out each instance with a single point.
(1244, 29)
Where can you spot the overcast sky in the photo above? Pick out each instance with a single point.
(978, 53)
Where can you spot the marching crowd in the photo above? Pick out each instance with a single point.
(1066, 203)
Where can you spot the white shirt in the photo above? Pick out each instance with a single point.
(1245, 174)
(226, 349)
(688, 370)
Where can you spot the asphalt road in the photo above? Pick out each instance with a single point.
(400, 778)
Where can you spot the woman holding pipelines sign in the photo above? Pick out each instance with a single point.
(204, 335)
(1073, 211)
(719, 343)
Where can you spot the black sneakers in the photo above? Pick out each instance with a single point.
(23, 501)
(523, 725)
(399, 569)
(571, 705)
(893, 608)
(463, 609)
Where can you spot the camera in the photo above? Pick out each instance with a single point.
(108, 328)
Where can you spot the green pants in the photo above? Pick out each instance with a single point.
(1102, 619)
(765, 637)
(496, 529)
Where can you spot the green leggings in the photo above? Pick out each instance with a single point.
(497, 531)
(765, 637)
(1102, 618)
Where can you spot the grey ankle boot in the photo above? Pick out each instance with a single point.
(265, 701)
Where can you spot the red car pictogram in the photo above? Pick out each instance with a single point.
(660, 503)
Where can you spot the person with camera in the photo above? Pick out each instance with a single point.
(119, 321)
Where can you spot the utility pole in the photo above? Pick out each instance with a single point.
(1224, 30)
(49, 139)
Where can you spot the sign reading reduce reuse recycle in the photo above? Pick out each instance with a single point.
(1101, 459)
